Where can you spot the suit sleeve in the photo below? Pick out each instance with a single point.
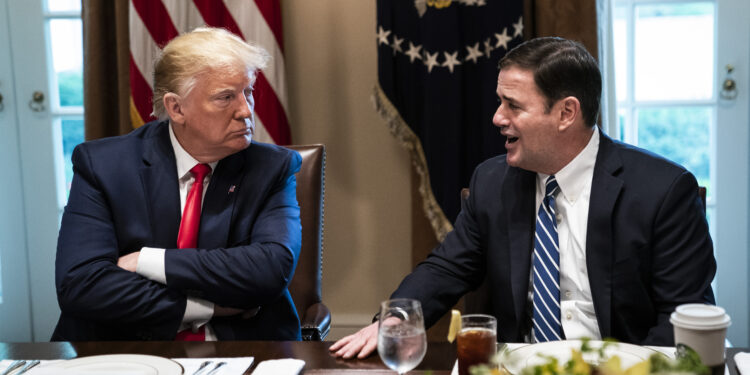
(683, 260)
(453, 268)
(89, 283)
(253, 274)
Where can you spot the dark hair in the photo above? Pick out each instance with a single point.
(561, 68)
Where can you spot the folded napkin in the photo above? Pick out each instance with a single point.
(234, 365)
(742, 360)
(286, 366)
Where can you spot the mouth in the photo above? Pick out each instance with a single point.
(512, 139)
(245, 131)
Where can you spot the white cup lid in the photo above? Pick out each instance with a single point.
(699, 316)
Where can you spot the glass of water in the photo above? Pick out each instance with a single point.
(401, 337)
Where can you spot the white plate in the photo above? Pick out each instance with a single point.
(531, 355)
(123, 364)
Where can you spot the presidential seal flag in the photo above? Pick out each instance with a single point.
(153, 23)
(437, 74)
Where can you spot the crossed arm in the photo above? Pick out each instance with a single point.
(95, 278)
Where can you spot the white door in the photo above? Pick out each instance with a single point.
(45, 65)
(732, 164)
(14, 277)
(671, 59)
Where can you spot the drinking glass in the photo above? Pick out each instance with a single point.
(401, 337)
(476, 343)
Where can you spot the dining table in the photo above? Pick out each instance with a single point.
(439, 359)
(318, 360)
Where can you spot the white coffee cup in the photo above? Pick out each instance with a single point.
(703, 328)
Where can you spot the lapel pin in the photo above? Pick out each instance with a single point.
(231, 189)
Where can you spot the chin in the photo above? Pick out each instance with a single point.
(512, 160)
(241, 144)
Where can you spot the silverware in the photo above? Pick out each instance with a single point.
(202, 367)
(27, 367)
(218, 365)
(13, 365)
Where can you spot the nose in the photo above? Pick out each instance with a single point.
(499, 119)
(245, 107)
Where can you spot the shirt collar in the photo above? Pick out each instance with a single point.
(185, 161)
(573, 177)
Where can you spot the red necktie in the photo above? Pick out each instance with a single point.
(188, 236)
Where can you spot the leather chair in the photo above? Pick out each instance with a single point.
(305, 287)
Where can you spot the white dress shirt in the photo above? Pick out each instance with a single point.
(151, 260)
(576, 304)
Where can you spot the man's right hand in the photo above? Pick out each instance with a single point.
(361, 344)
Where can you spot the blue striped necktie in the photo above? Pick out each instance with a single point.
(546, 318)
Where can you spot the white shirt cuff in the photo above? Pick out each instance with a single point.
(197, 312)
(151, 265)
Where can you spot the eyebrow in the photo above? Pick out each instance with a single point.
(506, 98)
(225, 90)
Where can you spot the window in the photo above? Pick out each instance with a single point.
(64, 33)
(664, 76)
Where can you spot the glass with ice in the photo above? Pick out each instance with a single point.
(476, 342)
(401, 337)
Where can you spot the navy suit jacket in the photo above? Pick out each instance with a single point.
(125, 196)
(647, 247)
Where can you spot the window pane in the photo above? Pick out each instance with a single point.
(620, 37)
(672, 42)
(72, 134)
(621, 125)
(681, 134)
(66, 41)
(63, 5)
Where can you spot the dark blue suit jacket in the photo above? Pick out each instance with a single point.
(647, 247)
(125, 196)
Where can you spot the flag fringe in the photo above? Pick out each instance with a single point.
(401, 131)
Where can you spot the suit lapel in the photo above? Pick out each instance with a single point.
(605, 190)
(159, 179)
(519, 187)
(218, 204)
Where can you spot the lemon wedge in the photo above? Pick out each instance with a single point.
(455, 326)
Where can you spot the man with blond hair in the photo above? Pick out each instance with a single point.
(183, 229)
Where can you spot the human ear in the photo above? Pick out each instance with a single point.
(173, 105)
(569, 111)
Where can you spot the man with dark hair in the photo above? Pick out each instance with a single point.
(575, 234)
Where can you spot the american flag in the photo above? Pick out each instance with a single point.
(437, 74)
(153, 23)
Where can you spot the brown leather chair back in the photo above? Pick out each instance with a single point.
(305, 287)
(702, 194)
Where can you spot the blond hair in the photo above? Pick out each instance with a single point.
(202, 50)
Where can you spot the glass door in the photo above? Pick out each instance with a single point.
(671, 60)
(14, 276)
(45, 45)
